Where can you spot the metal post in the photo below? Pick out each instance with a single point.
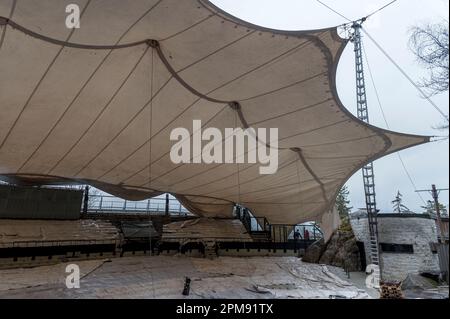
(435, 194)
(167, 204)
(239, 212)
(86, 200)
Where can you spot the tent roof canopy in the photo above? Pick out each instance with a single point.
(97, 104)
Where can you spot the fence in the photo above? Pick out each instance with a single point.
(443, 259)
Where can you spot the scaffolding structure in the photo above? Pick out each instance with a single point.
(368, 170)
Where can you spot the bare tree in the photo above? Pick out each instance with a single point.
(430, 45)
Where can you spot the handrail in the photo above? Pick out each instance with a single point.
(277, 232)
(44, 243)
(109, 203)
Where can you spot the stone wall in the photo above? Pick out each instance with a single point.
(410, 229)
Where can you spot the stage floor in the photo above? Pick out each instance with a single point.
(164, 277)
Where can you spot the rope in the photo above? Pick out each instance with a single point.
(406, 76)
(382, 8)
(363, 19)
(331, 9)
(387, 124)
(152, 64)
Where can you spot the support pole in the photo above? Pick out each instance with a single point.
(86, 200)
(435, 194)
(167, 205)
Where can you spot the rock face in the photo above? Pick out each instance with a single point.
(341, 251)
(313, 253)
(415, 281)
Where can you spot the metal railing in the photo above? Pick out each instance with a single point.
(157, 205)
(285, 233)
(254, 224)
(58, 243)
(281, 233)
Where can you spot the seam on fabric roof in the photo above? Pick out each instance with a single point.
(293, 112)
(276, 203)
(188, 28)
(314, 130)
(336, 157)
(309, 40)
(3, 22)
(310, 170)
(67, 43)
(208, 5)
(161, 55)
(285, 87)
(36, 88)
(192, 157)
(228, 176)
(147, 141)
(179, 166)
(8, 21)
(156, 45)
(69, 107)
(340, 142)
(215, 52)
(102, 111)
(261, 190)
(209, 203)
(162, 156)
(234, 105)
(85, 85)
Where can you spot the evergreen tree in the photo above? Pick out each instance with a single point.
(430, 209)
(342, 202)
(398, 206)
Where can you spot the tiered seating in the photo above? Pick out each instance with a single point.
(205, 229)
(32, 233)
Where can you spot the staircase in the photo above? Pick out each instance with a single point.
(210, 249)
(260, 236)
(257, 227)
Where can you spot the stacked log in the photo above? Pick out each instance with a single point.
(391, 290)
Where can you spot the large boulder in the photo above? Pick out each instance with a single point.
(314, 252)
(341, 251)
(418, 282)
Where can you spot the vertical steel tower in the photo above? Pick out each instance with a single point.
(367, 171)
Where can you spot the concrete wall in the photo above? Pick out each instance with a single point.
(410, 229)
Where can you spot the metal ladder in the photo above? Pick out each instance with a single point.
(367, 171)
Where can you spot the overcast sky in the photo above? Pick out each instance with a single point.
(406, 111)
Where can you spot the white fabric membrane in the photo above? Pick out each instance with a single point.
(82, 105)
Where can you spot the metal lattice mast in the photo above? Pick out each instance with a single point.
(367, 171)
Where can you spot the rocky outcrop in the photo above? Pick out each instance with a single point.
(416, 281)
(341, 251)
(314, 252)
